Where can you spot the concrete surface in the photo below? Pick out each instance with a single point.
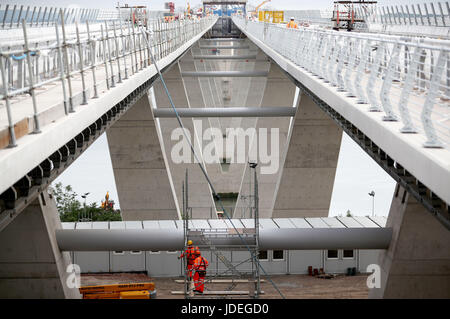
(430, 166)
(417, 263)
(200, 195)
(278, 91)
(31, 265)
(292, 286)
(307, 181)
(143, 184)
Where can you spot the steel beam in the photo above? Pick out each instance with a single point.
(164, 239)
(226, 74)
(227, 112)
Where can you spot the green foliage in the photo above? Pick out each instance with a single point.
(349, 214)
(71, 210)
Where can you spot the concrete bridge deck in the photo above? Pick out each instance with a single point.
(313, 73)
(429, 165)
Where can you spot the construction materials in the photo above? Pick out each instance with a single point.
(141, 294)
(271, 16)
(119, 291)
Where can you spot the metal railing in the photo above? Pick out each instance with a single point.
(11, 15)
(436, 14)
(406, 78)
(115, 49)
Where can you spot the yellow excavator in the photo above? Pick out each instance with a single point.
(255, 13)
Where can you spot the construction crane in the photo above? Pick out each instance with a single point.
(255, 12)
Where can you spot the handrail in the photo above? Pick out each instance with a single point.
(29, 65)
(406, 78)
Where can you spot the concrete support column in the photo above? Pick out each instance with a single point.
(279, 91)
(417, 263)
(142, 180)
(199, 94)
(31, 265)
(307, 181)
(200, 196)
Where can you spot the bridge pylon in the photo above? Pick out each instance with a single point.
(31, 264)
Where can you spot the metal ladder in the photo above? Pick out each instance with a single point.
(220, 256)
(223, 259)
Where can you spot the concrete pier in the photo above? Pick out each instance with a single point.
(417, 262)
(31, 265)
(307, 181)
(279, 91)
(143, 184)
(200, 196)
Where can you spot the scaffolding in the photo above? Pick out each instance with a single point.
(349, 15)
(220, 240)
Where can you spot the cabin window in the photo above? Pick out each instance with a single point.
(332, 254)
(349, 254)
(278, 255)
(263, 255)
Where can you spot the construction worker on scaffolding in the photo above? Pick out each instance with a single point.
(200, 265)
(190, 253)
(291, 24)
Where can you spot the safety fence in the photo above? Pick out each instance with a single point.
(116, 49)
(11, 16)
(435, 14)
(407, 78)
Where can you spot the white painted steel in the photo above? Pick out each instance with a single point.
(395, 80)
(429, 165)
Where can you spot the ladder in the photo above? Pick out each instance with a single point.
(220, 256)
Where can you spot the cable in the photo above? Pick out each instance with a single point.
(215, 195)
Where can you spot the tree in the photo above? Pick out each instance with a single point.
(70, 209)
(66, 198)
(349, 214)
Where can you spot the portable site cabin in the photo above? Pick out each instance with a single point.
(166, 264)
(123, 261)
(92, 261)
(162, 263)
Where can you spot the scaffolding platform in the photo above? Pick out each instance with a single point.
(218, 240)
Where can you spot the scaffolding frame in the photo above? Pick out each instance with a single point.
(226, 239)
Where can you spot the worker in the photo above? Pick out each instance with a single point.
(190, 254)
(200, 265)
(292, 24)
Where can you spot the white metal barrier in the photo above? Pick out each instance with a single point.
(116, 48)
(407, 78)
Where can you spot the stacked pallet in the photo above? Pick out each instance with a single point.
(143, 290)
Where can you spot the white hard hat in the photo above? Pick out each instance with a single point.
(292, 18)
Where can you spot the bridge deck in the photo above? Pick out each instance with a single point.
(57, 128)
(428, 165)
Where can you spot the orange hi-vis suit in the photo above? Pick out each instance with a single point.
(200, 265)
(292, 25)
(191, 253)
